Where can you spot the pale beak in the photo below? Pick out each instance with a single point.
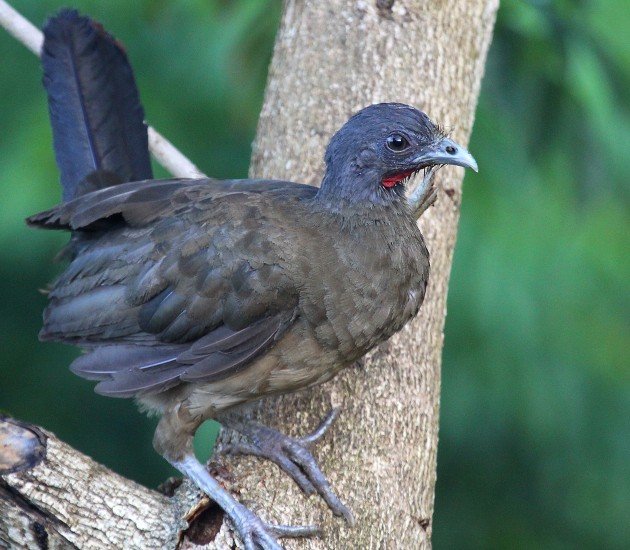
(446, 151)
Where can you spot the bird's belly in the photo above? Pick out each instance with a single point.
(297, 361)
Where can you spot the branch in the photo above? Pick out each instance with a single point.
(163, 150)
(53, 496)
(49, 491)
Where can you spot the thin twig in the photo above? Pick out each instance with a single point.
(21, 28)
(171, 157)
(163, 150)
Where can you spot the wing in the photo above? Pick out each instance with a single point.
(178, 281)
(142, 202)
(130, 370)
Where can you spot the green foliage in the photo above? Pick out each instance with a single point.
(535, 438)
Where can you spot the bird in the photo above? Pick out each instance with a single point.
(199, 296)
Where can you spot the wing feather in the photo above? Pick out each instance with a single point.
(128, 370)
(189, 283)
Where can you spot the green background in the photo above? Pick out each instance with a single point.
(535, 429)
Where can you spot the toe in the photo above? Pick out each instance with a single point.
(295, 531)
(304, 459)
(321, 430)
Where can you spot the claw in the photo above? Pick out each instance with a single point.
(304, 459)
(254, 533)
(285, 464)
(292, 455)
(321, 430)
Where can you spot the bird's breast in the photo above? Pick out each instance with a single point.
(373, 283)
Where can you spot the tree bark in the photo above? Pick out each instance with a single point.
(331, 58)
(52, 496)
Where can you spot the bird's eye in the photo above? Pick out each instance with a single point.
(397, 143)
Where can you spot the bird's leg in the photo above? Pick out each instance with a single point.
(292, 455)
(252, 530)
(424, 195)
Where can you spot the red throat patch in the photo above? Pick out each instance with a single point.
(391, 181)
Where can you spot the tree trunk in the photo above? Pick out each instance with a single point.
(331, 58)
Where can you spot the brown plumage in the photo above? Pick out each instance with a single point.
(224, 292)
(197, 296)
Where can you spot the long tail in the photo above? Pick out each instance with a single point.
(99, 133)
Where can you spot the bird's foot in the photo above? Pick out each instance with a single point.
(292, 455)
(255, 533)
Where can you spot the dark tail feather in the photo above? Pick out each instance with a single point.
(98, 124)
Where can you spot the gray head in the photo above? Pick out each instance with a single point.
(379, 148)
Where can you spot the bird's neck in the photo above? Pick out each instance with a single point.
(343, 190)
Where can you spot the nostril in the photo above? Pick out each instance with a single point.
(451, 150)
